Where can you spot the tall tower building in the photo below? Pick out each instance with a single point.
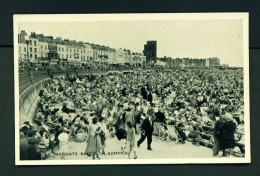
(212, 61)
(21, 36)
(150, 51)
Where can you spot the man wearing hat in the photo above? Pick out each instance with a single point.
(218, 135)
(150, 97)
(147, 129)
(228, 138)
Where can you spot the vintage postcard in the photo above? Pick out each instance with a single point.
(132, 89)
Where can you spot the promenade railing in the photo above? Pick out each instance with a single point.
(28, 78)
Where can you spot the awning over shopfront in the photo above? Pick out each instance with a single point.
(53, 63)
(44, 61)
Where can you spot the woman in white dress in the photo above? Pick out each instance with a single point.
(103, 134)
(93, 140)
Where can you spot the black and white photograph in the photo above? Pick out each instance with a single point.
(159, 88)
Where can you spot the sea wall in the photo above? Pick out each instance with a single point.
(28, 101)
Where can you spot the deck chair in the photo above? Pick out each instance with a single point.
(163, 134)
(157, 129)
(77, 104)
(178, 137)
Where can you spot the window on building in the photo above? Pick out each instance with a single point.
(35, 50)
(25, 56)
(46, 47)
(70, 56)
(41, 46)
(30, 42)
(34, 43)
(84, 51)
(30, 49)
(62, 56)
(24, 49)
(62, 49)
(35, 56)
(74, 50)
(30, 55)
(70, 50)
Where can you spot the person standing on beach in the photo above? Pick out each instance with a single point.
(130, 139)
(147, 130)
(93, 140)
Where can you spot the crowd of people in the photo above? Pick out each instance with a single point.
(38, 66)
(93, 108)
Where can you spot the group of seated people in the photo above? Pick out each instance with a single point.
(69, 102)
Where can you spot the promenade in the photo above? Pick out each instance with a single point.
(161, 150)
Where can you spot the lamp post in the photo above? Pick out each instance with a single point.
(27, 42)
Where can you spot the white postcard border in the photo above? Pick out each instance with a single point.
(129, 17)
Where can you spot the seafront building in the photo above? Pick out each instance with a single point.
(57, 51)
(47, 49)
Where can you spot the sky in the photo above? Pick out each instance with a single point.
(175, 38)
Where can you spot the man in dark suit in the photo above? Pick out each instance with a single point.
(124, 91)
(144, 93)
(160, 117)
(150, 97)
(217, 135)
(147, 130)
(228, 138)
(142, 89)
